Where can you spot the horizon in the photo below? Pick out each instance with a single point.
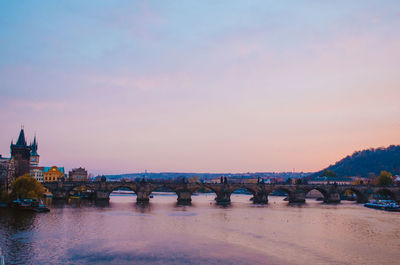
(113, 173)
(199, 86)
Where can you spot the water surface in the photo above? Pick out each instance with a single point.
(162, 232)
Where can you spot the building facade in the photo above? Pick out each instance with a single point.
(51, 174)
(3, 174)
(78, 174)
(37, 173)
(7, 173)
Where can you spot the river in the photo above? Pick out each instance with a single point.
(122, 232)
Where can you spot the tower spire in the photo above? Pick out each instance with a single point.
(21, 138)
(34, 146)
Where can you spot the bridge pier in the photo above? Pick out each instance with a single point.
(297, 197)
(260, 198)
(223, 197)
(184, 197)
(101, 195)
(332, 197)
(142, 196)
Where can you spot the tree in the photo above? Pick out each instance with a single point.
(26, 187)
(329, 174)
(385, 179)
(194, 179)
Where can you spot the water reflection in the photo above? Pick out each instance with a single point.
(102, 204)
(15, 235)
(142, 207)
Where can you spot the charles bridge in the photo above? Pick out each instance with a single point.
(296, 192)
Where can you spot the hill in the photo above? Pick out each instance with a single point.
(368, 163)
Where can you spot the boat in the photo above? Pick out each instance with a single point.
(41, 208)
(387, 205)
(30, 205)
(22, 204)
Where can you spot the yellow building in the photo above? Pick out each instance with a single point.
(53, 173)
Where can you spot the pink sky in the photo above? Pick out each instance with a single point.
(200, 87)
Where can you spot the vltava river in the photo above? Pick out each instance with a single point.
(122, 232)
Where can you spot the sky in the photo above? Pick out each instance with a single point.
(199, 86)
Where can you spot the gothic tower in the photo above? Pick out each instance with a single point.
(34, 154)
(21, 153)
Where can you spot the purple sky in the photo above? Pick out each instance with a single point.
(199, 86)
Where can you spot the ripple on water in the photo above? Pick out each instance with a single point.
(124, 213)
(182, 214)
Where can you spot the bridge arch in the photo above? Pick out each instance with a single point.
(120, 187)
(209, 187)
(320, 190)
(279, 189)
(204, 190)
(384, 193)
(360, 196)
(244, 191)
(183, 193)
(114, 193)
(243, 187)
(80, 187)
(165, 188)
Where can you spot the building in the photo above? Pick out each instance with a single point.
(34, 161)
(7, 173)
(330, 180)
(21, 154)
(37, 173)
(268, 180)
(360, 180)
(3, 173)
(51, 174)
(99, 178)
(213, 180)
(78, 174)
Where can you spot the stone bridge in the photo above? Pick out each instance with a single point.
(223, 191)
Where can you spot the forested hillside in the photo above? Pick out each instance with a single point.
(368, 163)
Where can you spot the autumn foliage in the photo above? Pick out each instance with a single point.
(26, 187)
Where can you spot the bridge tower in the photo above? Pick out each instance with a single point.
(21, 153)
